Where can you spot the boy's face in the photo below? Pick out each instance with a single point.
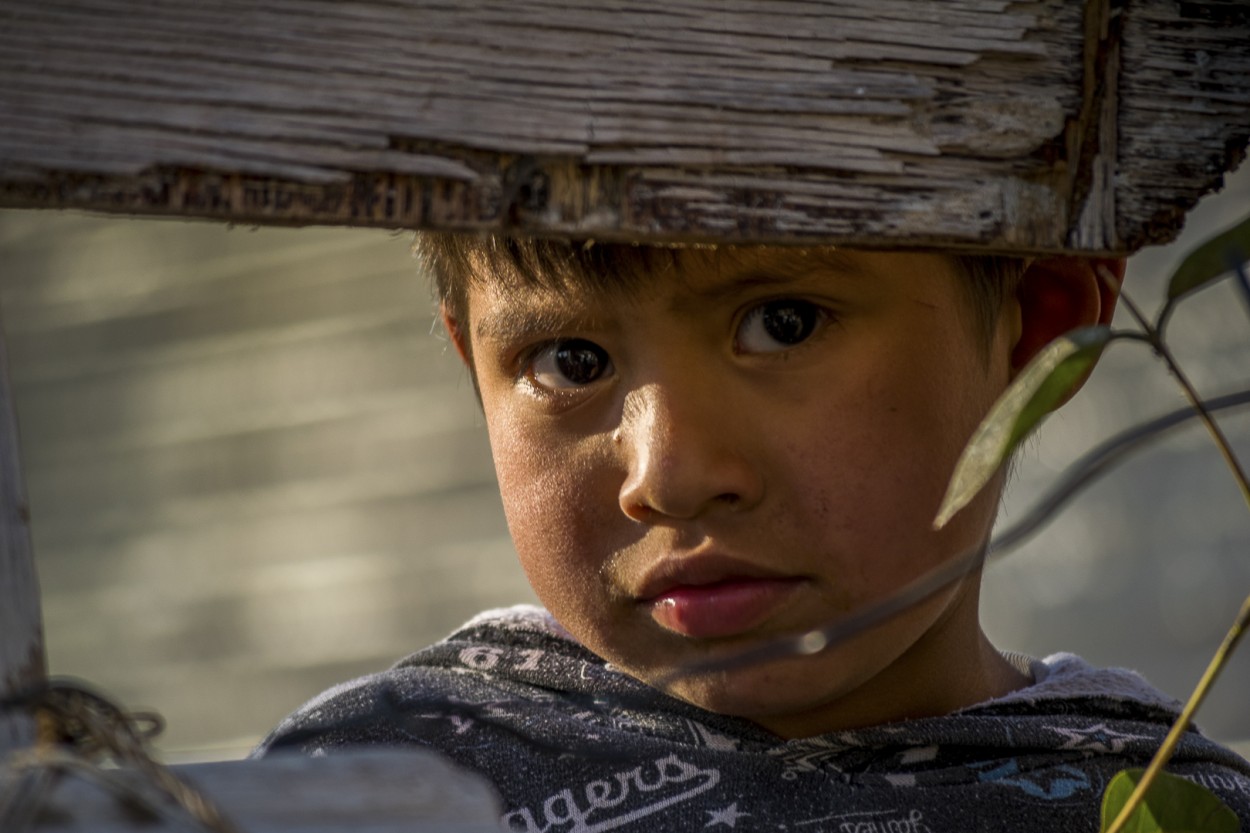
(749, 445)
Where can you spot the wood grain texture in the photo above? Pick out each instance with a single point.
(983, 124)
(379, 791)
(1184, 82)
(22, 660)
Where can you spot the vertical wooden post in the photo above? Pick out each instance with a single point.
(22, 662)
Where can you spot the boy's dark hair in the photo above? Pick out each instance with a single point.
(456, 260)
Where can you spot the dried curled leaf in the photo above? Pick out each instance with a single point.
(1171, 805)
(1043, 384)
(1214, 258)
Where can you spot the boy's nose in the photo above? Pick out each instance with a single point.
(684, 456)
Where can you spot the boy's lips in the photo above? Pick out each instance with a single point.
(706, 598)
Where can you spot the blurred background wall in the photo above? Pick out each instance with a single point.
(257, 470)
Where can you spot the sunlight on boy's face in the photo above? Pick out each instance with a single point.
(746, 446)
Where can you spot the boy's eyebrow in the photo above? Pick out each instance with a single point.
(515, 323)
(783, 271)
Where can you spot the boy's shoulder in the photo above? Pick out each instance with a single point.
(515, 662)
(512, 696)
(1069, 678)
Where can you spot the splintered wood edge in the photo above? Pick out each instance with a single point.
(561, 198)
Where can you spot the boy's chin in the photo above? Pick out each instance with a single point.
(779, 696)
(886, 674)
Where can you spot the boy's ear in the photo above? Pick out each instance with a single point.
(455, 331)
(1058, 294)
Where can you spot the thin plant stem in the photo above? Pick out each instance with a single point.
(1097, 462)
(1164, 753)
(1243, 283)
(1217, 435)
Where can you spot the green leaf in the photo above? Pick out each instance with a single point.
(1043, 384)
(1211, 260)
(1171, 805)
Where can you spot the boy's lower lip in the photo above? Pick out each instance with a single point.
(725, 608)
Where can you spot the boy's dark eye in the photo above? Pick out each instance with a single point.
(778, 325)
(567, 364)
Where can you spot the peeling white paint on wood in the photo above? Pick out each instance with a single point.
(980, 124)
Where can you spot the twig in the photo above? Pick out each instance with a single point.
(1217, 435)
(1243, 283)
(1164, 753)
(1097, 462)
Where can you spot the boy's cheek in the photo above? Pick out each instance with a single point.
(560, 498)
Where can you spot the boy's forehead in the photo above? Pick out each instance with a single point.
(502, 302)
(708, 270)
(704, 270)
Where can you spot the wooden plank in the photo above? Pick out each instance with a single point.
(986, 125)
(374, 791)
(22, 660)
(1180, 80)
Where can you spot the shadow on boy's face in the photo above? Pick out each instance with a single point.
(748, 445)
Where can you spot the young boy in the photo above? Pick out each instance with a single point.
(702, 451)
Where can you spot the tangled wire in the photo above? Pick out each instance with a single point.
(82, 733)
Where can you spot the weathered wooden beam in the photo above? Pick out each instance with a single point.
(379, 791)
(980, 124)
(22, 662)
